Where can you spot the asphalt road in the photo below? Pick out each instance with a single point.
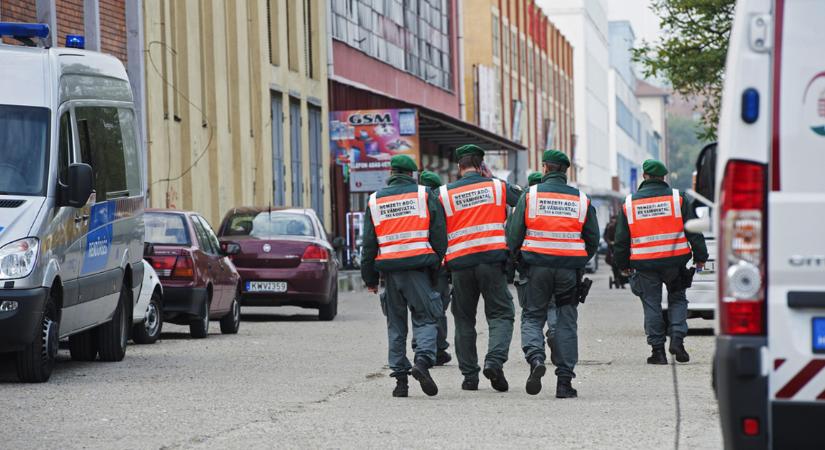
(290, 381)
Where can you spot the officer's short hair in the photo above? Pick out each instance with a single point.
(470, 162)
(553, 167)
(400, 172)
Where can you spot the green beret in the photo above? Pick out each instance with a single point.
(429, 179)
(467, 150)
(556, 157)
(403, 163)
(534, 178)
(654, 167)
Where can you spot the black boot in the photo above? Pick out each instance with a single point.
(677, 347)
(469, 384)
(564, 388)
(496, 377)
(421, 373)
(657, 356)
(537, 370)
(402, 388)
(442, 357)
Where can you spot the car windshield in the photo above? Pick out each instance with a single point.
(24, 147)
(266, 225)
(164, 228)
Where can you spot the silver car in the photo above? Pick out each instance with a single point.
(71, 206)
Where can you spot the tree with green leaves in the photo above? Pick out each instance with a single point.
(691, 53)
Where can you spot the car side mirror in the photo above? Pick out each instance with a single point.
(80, 185)
(230, 248)
(705, 181)
(148, 248)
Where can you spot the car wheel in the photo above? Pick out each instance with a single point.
(199, 328)
(231, 322)
(83, 346)
(36, 361)
(330, 310)
(148, 332)
(112, 336)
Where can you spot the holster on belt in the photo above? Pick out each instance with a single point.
(683, 281)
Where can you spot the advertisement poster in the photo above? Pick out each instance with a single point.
(364, 141)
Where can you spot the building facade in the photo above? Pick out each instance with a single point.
(236, 104)
(632, 135)
(584, 24)
(518, 77)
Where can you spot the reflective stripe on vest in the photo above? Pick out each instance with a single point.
(554, 223)
(402, 224)
(656, 227)
(475, 218)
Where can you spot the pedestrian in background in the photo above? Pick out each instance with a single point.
(556, 230)
(432, 181)
(652, 247)
(405, 241)
(476, 209)
(618, 280)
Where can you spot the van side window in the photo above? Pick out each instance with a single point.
(131, 151)
(64, 147)
(101, 146)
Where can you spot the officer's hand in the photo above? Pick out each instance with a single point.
(627, 272)
(700, 266)
(373, 289)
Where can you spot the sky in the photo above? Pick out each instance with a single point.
(645, 23)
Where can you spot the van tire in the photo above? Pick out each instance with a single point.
(199, 328)
(148, 331)
(328, 312)
(83, 346)
(35, 362)
(113, 335)
(231, 322)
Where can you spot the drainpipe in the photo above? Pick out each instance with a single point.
(462, 98)
(330, 68)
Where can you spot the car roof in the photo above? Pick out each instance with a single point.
(260, 209)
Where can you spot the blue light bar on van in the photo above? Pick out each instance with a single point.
(75, 41)
(750, 105)
(24, 30)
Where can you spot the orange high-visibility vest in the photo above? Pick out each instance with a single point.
(402, 224)
(475, 218)
(656, 227)
(554, 223)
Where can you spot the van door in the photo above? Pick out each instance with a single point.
(796, 209)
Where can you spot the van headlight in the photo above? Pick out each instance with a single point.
(17, 258)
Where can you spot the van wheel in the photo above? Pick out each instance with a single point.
(83, 346)
(231, 322)
(148, 332)
(199, 328)
(36, 361)
(330, 310)
(112, 336)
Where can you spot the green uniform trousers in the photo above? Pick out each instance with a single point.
(647, 284)
(410, 290)
(490, 282)
(544, 286)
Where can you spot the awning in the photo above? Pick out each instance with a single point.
(450, 131)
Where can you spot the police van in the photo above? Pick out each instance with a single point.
(71, 203)
(766, 179)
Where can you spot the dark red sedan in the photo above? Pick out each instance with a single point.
(284, 258)
(199, 281)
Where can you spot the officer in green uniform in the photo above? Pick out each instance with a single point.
(552, 281)
(481, 274)
(433, 182)
(408, 282)
(534, 178)
(650, 274)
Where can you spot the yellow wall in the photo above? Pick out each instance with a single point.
(209, 77)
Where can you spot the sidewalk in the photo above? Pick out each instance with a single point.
(350, 281)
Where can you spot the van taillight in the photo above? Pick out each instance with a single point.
(742, 283)
(315, 253)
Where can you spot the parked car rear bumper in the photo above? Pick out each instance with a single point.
(17, 328)
(183, 302)
(308, 285)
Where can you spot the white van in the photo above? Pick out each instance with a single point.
(768, 182)
(71, 204)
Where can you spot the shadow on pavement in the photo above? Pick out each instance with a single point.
(279, 317)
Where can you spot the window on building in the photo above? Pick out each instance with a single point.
(624, 118)
(311, 62)
(272, 29)
(530, 64)
(506, 50)
(514, 52)
(291, 36)
(496, 40)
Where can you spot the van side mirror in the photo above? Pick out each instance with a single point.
(705, 183)
(80, 185)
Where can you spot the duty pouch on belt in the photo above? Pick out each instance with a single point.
(634, 284)
(582, 286)
(682, 281)
(382, 297)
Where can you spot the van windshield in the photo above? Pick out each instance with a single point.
(24, 145)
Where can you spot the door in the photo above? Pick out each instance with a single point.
(296, 153)
(316, 174)
(227, 274)
(210, 259)
(278, 167)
